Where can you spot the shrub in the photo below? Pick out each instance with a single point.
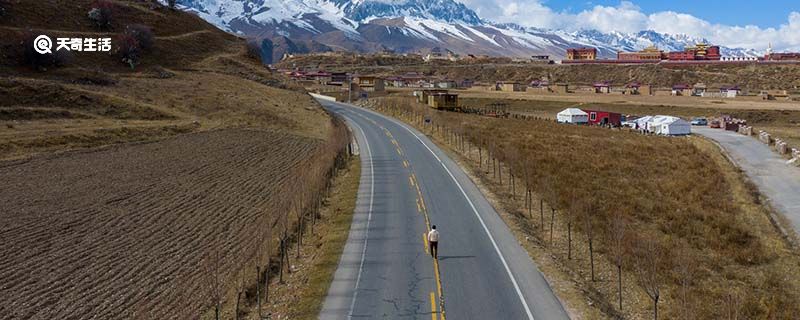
(143, 34)
(129, 49)
(39, 61)
(102, 14)
(253, 49)
(172, 3)
(62, 58)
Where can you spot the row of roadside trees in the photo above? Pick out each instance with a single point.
(562, 187)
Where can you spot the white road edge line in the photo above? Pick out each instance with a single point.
(369, 219)
(474, 210)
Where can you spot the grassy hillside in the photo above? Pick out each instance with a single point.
(193, 77)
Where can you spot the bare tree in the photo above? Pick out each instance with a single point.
(617, 235)
(588, 227)
(685, 270)
(576, 205)
(239, 292)
(649, 260)
(259, 259)
(541, 213)
(213, 267)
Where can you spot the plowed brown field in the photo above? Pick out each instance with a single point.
(120, 232)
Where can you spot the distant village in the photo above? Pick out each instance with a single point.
(366, 85)
(700, 53)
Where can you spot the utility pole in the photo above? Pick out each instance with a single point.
(349, 89)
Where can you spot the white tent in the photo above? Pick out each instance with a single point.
(641, 123)
(669, 126)
(654, 125)
(675, 127)
(572, 115)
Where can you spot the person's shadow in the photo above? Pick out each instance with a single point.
(442, 258)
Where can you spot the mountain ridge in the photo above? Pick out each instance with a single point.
(413, 26)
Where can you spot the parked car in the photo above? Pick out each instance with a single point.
(699, 122)
(715, 124)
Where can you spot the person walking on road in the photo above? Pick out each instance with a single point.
(433, 239)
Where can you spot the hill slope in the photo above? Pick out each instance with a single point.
(95, 228)
(195, 77)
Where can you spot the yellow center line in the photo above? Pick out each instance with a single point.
(433, 306)
(399, 152)
(421, 208)
(405, 164)
(438, 282)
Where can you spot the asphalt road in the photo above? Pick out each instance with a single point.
(408, 183)
(778, 181)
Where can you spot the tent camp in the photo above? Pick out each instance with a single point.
(641, 123)
(675, 127)
(669, 126)
(572, 115)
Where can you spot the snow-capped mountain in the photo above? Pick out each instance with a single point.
(412, 26)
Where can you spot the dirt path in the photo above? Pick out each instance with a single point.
(777, 180)
(121, 232)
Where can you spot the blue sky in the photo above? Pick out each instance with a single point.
(732, 23)
(764, 14)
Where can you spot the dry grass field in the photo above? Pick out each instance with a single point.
(741, 102)
(173, 189)
(784, 123)
(681, 223)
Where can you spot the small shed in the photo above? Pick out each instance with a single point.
(602, 87)
(509, 86)
(422, 96)
(369, 83)
(636, 88)
(699, 89)
(730, 92)
(396, 82)
(559, 88)
(681, 90)
(604, 118)
(539, 84)
(443, 101)
(572, 115)
(339, 78)
(446, 84)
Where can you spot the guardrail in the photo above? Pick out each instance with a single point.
(322, 97)
(779, 145)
